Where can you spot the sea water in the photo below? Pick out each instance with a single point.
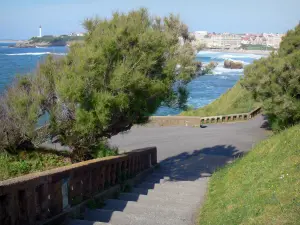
(202, 90)
(18, 61)
(205, 89)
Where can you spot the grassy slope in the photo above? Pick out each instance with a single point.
(261, 188)
(29, 162)
(235, 100)
(25, 162)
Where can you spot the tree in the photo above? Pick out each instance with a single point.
(275, 81)
(127, 67)
(19, 112)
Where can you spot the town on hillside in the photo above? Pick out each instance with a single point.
(264, 41)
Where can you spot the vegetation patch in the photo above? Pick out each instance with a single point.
(275, 81)
(37, 160)
(261, 188)
(25, 162)
(257, 47)
(235, 100)
(124, 70)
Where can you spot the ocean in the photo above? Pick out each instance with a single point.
(203, 90)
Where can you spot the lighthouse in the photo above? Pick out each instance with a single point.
(40, 31)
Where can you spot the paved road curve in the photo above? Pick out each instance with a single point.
(218, 139)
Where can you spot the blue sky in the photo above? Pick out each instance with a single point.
(20, 19)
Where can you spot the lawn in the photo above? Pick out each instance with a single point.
(261, 188)
(37, 160)
(24, 162)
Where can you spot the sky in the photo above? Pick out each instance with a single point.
(20, 19)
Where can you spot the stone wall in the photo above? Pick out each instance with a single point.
(195, 121)
(35, 198)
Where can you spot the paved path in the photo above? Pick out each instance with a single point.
(173, 194)
(231, 138)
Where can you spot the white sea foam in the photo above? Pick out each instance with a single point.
(223, 55)
(35, 53)
(235, 56)
(219, 70)
(208, 53)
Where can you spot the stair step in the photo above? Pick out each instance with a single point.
(165, 191)
(120, 218)
(177, 202)
(184, 175)
(146, 209)
(187, 185)
(161, 178)
(86, 222)
(145, 188)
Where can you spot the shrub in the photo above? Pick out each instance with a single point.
(275, 81)
(19, 112)
(126, 68)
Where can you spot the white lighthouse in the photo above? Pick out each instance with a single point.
(40, 31)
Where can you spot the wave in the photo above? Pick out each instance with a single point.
(208, 53)
(224, 55)
(236, 56)
(35, 53)
(219, 70)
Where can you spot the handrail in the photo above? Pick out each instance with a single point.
(36, 197)
(198, 120)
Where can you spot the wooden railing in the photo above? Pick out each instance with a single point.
(34, 198)
(196, 121)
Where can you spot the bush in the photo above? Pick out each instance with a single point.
(24, 162)
(275, 81)
(124, 71)
(127, 67)
(19, 112)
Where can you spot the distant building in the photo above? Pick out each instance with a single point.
(224, 40)
(40, 29)
(229, 40)
(273, 40)
(77, 34)
(200, 34)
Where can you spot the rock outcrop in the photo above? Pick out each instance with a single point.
(229, 64)
(208, 68)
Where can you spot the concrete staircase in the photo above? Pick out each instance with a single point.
(171, 195)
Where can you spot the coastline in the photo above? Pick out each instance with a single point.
(257, 52)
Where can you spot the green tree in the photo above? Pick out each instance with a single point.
(127, 67)
(19, 112)
(275, 81)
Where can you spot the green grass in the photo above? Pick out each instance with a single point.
(235, 100)
(257, 47)
(25, 162)
(261, 188)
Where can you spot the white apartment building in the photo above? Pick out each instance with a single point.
(273, 40)
(200, 34)
(224, 40)
(231, 40)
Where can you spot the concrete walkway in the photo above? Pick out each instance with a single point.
(228, 139)
(173, 194)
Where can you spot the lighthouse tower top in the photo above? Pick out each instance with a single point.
(40, 34)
